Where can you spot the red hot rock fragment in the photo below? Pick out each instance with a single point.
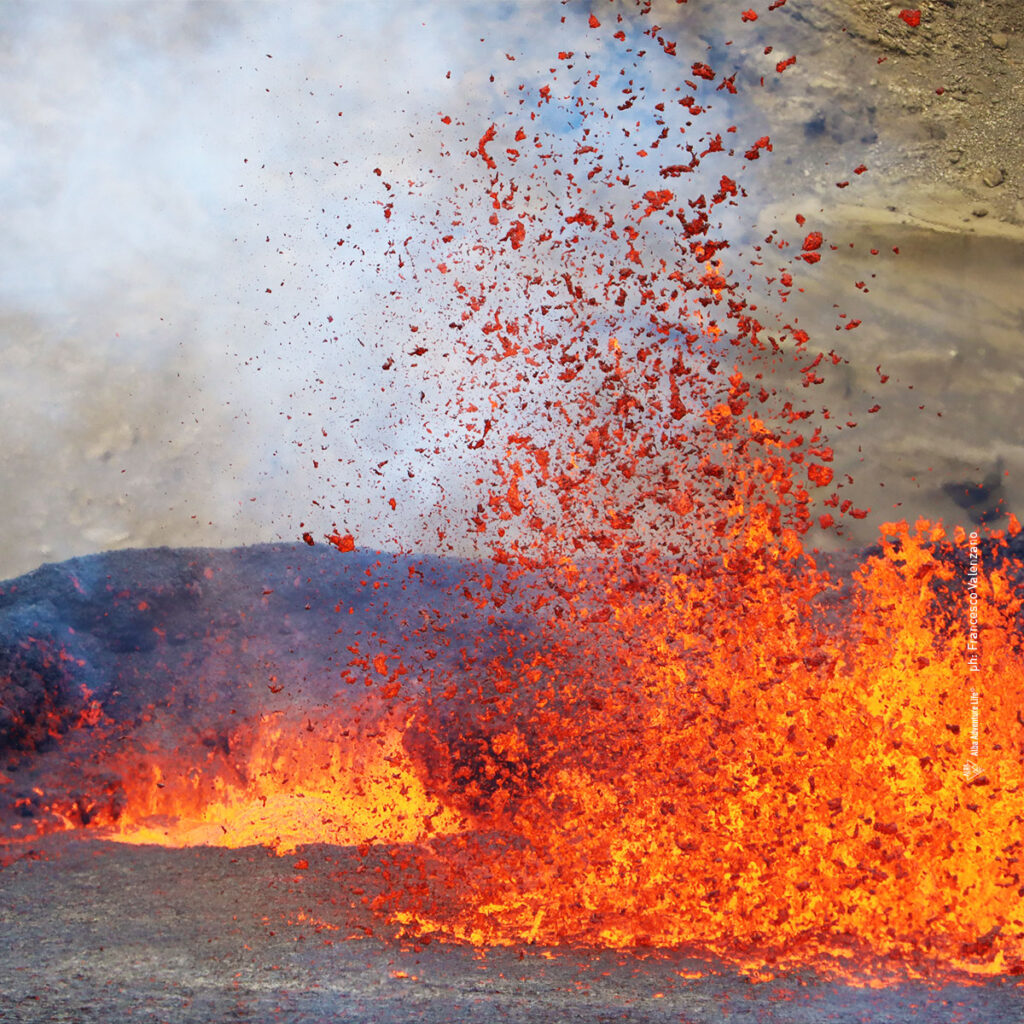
(811, 244)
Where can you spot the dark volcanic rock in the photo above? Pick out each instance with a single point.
(181, 646)
(128, 628)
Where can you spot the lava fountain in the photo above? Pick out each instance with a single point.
(648, 710)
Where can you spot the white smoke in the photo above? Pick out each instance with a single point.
(154, 342)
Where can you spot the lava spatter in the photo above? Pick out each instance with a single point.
(674, 724)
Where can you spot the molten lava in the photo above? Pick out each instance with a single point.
(695, 734)
(280, 785)
(774, 774)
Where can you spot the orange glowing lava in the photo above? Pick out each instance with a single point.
(279, 784)
(686, 731)
(776, 774)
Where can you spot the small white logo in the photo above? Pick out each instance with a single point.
(971, 770)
